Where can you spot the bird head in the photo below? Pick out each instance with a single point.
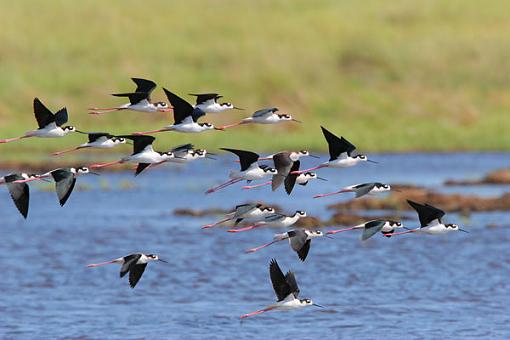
(167, 155)
(118, 140)
(227, 105)
(267, 210)
(454, 227)
(269, 170)
(303, 153)
(68, 129)
(206, 126)
(154, 257)
(162, 107)
(300, 213)
(316, 233)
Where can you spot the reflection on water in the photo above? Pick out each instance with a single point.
(413, 286)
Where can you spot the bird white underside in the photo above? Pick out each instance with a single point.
(211, 106)
(142, 106)
(145, 157)
(272, 119)
(187, 127)
(254, 172)
(100, 144)
(284, 222)
(342, 162)
(435, 229)
(49, 131)
(289, 303)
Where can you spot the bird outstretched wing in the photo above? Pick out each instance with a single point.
(281, 287)
(135, 273)
(246, 158)
(64, 184)
(371, 228)
(42, 114)
(426, 213)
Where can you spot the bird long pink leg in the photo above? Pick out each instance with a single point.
(256, 225)
(8, 140)
(230, 125)
(216, 223)
(58, 153)
(100, 111)
(331, 193)
(149, 132)
(256, 312)
(403, 232)
(310, 169)
(100, 264)
(252, 250)
(248, 187)
(103, 165)
(224, 185)
(341, 230)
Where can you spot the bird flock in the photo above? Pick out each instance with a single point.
(285, 170)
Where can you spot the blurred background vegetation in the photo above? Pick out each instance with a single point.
(399, 75)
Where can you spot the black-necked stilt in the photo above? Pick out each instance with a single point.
(185, 117)
(370, 228)
(300, 153)
(250, 169)
(252, 211)
(430, 221)
(299, 240)
(65, 180)
(341, 153)
(50, 125)
(99, 140)
(274, 220)
(143, 154)
(360, 189)
(140, 100)
(134, 264)
(286, 290)
(264, 116)
(20, 192)
(208, 102)
(187, 153)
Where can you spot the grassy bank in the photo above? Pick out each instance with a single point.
(405, 75)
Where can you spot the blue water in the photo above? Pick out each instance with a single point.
(410, 287)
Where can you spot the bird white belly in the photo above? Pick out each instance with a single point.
(289, 305)
(253, 174)
(103, 145)
(47, 133)
(267, 120)
(142, 108)
(434, 230)
(188, 128)
(149, 157)
(212, 108)
(342, 163)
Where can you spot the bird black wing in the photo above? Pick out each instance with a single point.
(242, 209)
(337, 145)
(246, 158)
(291, 281)
(303, 252)
(144, 85)
(290, 180)
(283, 165)
(264, 112)
(203, 97)
(64, 184)
(372, 228)
(281, 287)
(363, 189)
(426, 213)
(20, 193)
(42, 114)
(139, 142)
(134, 97)
(61, 117)
(135, 273)
(181, 108)
(94, 136)
(129, 260)
(182, 148)
(141, 167)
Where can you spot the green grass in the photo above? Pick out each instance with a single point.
(400, 75)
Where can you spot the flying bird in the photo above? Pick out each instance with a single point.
(274, 220)
(250, 169)
(360, 189)
(299, 240)
(139, 100)
(134, 264)
(286, 290)
(143, 154)
(244, 211)
(98, 140)
(264, 116)
(20, 192)
(430, 221)
(187, 153)
(370, 228)
(208, 103)
(50, 125)
(185, 117)
(341, 153)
